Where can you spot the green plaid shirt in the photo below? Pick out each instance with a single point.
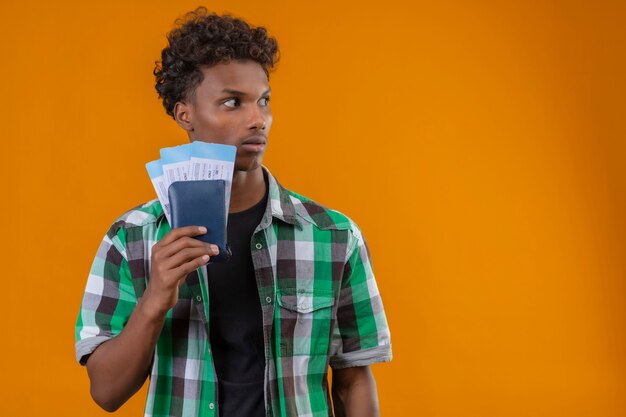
(319, 301)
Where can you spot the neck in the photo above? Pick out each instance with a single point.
(247, 190)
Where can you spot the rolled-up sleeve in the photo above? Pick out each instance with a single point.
(361, 336)
(109, 297)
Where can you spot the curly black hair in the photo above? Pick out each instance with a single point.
(204, 39)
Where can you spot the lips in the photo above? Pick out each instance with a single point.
(255, 140)
(254, 144)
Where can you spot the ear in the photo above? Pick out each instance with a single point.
(183, 115)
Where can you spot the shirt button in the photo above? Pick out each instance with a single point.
(259, 246)
(211, 406)
(198, 298)
(268, 299)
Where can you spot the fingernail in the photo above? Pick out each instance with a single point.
(214, 248)
(202, 229)
(206, 258)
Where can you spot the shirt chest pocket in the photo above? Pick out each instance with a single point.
(304, 321)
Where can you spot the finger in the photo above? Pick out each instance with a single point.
(162, 253)
(184, 256)
(182, 243)
(179, 232)
(185, 269)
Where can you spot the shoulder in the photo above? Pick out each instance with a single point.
(304, 212)
(148, 214)
(322, 217)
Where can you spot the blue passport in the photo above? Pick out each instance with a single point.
(202, 203)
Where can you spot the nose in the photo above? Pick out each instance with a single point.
(257, 119)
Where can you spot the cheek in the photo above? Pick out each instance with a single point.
(210, 120)
(217, 128)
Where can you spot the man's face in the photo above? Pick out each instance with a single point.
(231, 106)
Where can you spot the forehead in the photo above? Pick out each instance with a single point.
(245, 76)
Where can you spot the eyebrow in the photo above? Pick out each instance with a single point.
(241, 93)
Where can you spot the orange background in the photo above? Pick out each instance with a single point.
(481, 147)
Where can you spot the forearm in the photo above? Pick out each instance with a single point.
(119, 367)
(354, 393)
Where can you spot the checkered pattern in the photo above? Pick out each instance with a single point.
(319, 301)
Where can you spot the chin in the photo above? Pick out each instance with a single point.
(247, 165)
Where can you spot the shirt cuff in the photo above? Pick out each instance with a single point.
(361, 357)
(85, 347)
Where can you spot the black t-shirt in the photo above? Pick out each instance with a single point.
(235, 321)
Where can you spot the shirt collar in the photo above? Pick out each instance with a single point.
(279, 204)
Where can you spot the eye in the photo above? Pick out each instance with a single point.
(231, 102)
(264, 101)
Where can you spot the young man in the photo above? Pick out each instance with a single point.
(252, 337)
